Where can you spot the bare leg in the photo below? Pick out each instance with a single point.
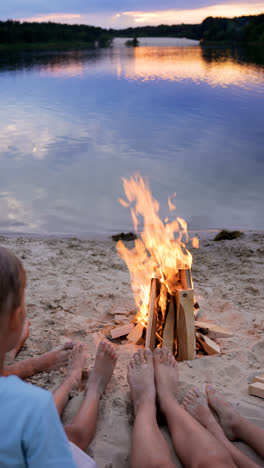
(22, 340)
(73, 379)
(193, 444)
(149, 448)
(234, 425)
(82, 429)
(47, 362)
(197, 406)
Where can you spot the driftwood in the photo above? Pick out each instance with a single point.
(185, 325)
(152, 314)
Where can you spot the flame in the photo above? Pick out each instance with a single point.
(159, 250)
(195, 242)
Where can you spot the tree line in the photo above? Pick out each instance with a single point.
(241, 29)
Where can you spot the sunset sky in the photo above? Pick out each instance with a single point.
(123, 13)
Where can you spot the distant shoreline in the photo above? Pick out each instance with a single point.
(65, 46)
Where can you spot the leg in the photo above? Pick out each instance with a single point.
(82, 429)
(197, 406)
(47, 362)
(234, 425)
(149, 448)
(22, 340)
(73, 379)
(193, 444)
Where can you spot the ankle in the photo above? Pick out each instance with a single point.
(146, 405)
(236, 425)
(166, 401)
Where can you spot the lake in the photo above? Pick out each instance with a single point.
(74, 123)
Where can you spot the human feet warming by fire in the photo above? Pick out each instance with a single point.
(105, 362)
(166, 375)
(141, 379)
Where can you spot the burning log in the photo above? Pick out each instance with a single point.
(169, 327)
(185, 325)
(152, 314)
(186, 279)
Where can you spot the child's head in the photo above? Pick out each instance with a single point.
(12, 298)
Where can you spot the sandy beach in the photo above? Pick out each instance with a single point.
(77, 287)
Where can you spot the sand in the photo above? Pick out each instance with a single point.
(75, 289)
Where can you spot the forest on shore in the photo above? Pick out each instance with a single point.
(244, 29)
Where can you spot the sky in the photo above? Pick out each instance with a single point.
(124, 13)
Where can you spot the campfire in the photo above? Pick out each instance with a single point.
(160, 271)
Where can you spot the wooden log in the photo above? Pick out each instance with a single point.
(186, 279)
(121, 331)
(208, 345)
(152, 314)
(213, 331)
(185, 325)
(256, 389)
(136, 334)
(259, 378)
(169, 327)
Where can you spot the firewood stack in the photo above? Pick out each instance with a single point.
(173, 325)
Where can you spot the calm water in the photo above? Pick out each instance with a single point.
(73, 124)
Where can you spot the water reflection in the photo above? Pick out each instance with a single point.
(74, 123)
(217, 67)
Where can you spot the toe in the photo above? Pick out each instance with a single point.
(197, 392)
(68, 345)
(108, 348)
(101, 347)
(137, 359)
(141, 355)
(157, 355)
(148, 355)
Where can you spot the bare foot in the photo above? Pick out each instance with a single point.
(103, 369)
(76, 362)
(140, 378)
(22, 340)
(56, 358)
(197, 406)
(228, 416)
(166, 376)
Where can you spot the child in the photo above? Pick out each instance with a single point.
(31, 434)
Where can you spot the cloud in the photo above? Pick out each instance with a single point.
(55, 17)
(192, 15)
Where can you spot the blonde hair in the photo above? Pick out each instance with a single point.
(12, 281)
